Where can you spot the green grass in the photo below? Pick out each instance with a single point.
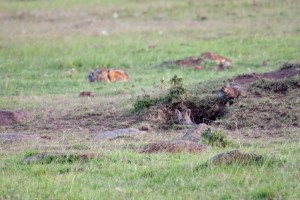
(40, 67)
(41, 40)
(131, 175)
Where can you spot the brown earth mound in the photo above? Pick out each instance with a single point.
(87, 94)
(196, 61)
(9, 117)
(288, 70)
(189, 61)
(271, 105)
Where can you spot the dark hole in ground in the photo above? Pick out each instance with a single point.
(205, 110)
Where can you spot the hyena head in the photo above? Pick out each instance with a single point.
(93, 75)
(184, 118)
(99, 75)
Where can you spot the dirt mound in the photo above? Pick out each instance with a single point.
(196, 61)
(87, 94)
(189, 61)
(288, 70)
(270, 106)
(8, 117)
(174, 146)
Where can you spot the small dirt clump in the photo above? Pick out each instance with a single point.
(87, 94)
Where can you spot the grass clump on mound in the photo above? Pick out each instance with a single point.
(173, 96)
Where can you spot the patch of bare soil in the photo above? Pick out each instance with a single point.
(190, 61)
(272, 104)
(287, 70)
(222, 63)
(9, 117)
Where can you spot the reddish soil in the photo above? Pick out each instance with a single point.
(189, 61)
(288, 70)
(196, 61)
(87, 94)
(8, 117)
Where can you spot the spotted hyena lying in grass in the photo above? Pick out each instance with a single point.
(108, 75)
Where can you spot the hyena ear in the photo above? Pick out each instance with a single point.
(188, 113)
(178, 113)
(92, 72)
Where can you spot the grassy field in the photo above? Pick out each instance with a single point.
(41, 40)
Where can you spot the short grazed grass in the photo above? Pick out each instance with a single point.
(41, 67)
(165, 176)
(41, 40)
